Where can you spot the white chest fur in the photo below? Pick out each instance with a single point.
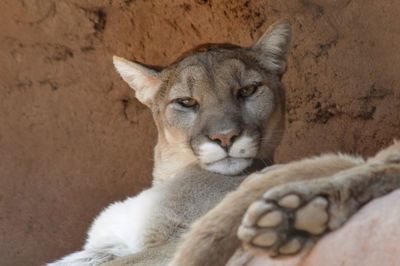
(119, 230)
(123, 223)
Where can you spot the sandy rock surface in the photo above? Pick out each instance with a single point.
(73, 138)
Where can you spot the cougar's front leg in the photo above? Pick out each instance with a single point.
(291, 215)
(212, 239)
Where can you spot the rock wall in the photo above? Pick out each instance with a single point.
(73, 138)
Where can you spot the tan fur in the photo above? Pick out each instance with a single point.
(212, 239)
(210, 75)
(190, 175)
(219, 111)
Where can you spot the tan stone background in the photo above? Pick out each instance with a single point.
(73, 138)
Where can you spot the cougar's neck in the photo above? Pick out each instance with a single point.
(170, 159)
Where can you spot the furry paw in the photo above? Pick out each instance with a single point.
(283, 221)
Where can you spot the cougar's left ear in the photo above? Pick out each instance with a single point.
(273, 46)
(144, 81)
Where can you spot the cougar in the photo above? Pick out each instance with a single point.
(219, 112)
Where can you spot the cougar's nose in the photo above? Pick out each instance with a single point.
(225, 139)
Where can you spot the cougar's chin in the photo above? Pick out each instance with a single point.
(229, 166)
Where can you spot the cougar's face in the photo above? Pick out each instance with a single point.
(223, 107)
(220, 106)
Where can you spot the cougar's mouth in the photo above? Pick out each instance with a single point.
(229, 165)
(232, 161)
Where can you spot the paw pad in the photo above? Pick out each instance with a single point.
(280, 222)
(290, 201)
(266, 239)
(292, 247)
(313, 217)
(270, 219)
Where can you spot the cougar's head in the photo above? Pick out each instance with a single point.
(220, 106)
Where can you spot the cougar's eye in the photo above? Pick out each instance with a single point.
(187, 102)
(248, 90)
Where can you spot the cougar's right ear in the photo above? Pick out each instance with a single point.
(144, 81)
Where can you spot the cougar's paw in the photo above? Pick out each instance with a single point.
(283, 221)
